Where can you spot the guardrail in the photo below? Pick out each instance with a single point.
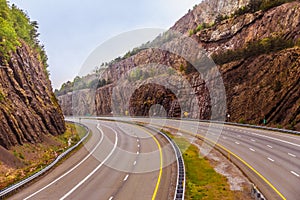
(180, 183)
(247, 125)
(256, 194)
(213, 121)
(20, 184)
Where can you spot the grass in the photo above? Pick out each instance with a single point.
(36, 156)
(74, 133)
(202, 181)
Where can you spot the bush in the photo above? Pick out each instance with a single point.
(256, 5)
(255, 48)
(2, 96)
(15, 26)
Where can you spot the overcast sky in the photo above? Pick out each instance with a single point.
(72, 29)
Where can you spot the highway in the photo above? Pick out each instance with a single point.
(123, 161)
(272, 155)
(119, 161)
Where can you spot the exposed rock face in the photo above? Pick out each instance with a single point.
(78, 103)
(153, 94)
(28, 107)
(206, 12)
(236, 32)
(265, 87)
(257, 87)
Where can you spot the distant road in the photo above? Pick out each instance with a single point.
(274, 155)
(118, 162)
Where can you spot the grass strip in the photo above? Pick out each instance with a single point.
(202, 181)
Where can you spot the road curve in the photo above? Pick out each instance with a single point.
(273, 155)
(120, 161)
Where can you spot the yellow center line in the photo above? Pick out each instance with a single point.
(239, 158)
(161, 163)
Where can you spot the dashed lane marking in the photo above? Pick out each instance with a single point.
(292, 155)
(295, 173)
(126, 177)
(270, 159)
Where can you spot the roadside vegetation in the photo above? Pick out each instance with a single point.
(252, 7)
(255, 48)
(31, 158)
(202, 181)
(90, 81)
(15, 28)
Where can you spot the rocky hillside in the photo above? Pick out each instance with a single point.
(28, 108)
(256, 53)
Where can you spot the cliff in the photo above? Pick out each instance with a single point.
(28, 108)
(256, 53)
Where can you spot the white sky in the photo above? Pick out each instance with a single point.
(72, 29)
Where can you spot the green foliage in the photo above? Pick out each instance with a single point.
(2, 96)
(297, 43)
(8, 38)
(255, 48)
(102, 83)
(80, 83)
(191, 32)
(242, 121)
(181, 68)
(256, 5)
(15, 26)
(202, 181)
(201, 27)
(220, 18)
(267, 4)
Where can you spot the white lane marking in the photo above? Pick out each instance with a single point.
(252, 140)
(295, 173)
(95, 170)
(252, 149)
(137, 140)
(292, 155)
(237, 142)
(276, 139)
(270, 159)
(224, 138)
(126, 177)
(270, 146)
(138, 152)
(134, 163)
(138, 146)
(110, 198)
(72, 169)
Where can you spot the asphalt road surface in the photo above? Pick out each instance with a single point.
(274, 155)
(119, 161)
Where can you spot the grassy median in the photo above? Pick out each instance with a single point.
(202, 181)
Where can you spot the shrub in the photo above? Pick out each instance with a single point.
(254, 48)
(242, 121)
(181, 68)
(15, 26)
(2, 96)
